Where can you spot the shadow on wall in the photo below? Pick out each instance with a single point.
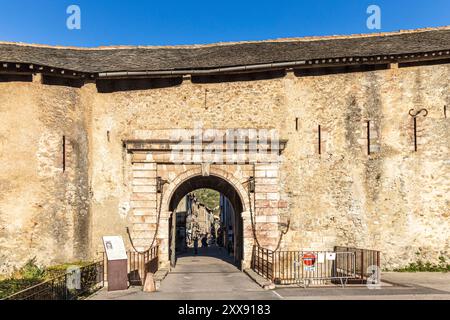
(243, 76)
(116, 85)
(16, 78)
(62, 81)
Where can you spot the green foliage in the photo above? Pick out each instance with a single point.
(28, 275)
(208, 197)
(29, 271)
(31, 274)
(11, 286)
(56, 270)
(421, 266)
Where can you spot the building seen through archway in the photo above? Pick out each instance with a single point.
(206, 218)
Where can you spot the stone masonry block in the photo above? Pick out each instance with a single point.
(267, 181)
(282, 204)
(144, 212)
(141, 234)
(143, 196)
(265, 167)
(144, 166)
(145, 189)
(259, 219)
(144, 173)
(262, 203)
(144, 226)
(273, 196)
(144, 182)
(139, 156)
(143, 204)
(266, 188)
(260, 196)
(144, 219)
(143, 243)
(266, 211)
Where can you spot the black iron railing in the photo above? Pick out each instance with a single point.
(342, 265)
(263, 262)
(139, 264)
(365, 259)
(69, 286)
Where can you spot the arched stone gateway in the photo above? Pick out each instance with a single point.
(223, 182)
(159, 183)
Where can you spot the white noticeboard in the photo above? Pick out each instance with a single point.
(331, 255)
(115, 247)
(321, 257)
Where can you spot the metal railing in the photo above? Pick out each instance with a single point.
(263, 262)
(139, 264)
(365, 259)
(343, 265)
(62, 287)
(290, 267)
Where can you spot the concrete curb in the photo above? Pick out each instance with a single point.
(262, 282)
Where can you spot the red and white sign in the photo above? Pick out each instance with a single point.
(309, 259)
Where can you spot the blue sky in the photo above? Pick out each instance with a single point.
(139, 22)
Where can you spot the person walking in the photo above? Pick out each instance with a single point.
(230, 245)
(205, 241)
(196, 245)
(219, 240)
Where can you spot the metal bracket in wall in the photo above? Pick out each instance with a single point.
(319, 138)
(251, 184)
(368, 137)
(160, 182)
(414, 115)
(64, 153)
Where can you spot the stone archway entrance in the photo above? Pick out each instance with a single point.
(230, 180)
(156, 183)
(227, 190)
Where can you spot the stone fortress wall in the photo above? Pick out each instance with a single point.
(394, 200)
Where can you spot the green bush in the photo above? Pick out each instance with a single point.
(28, 275)
(32, 271)
(11, 286)
(29, 271)
(421, 266)
(208, 197)
(31, 274)
(56, 270)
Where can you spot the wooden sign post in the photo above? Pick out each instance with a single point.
(117, 263)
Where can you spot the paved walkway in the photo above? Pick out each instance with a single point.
(211, 275)
(395, 286)
(208, 275)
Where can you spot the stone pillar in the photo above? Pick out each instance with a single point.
(247, 241)
(143, 204)
(267, 202)
(163, 240)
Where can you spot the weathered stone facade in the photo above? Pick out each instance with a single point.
(393, 199)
